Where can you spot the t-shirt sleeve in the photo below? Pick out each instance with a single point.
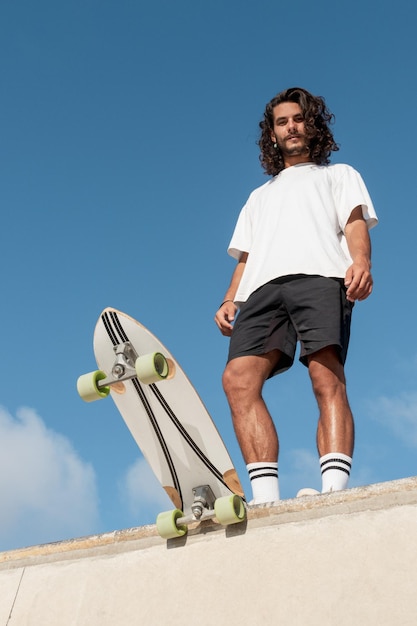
(242, 235)
(350, 192)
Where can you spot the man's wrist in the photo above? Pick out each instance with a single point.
(224, 302)
(362, 259)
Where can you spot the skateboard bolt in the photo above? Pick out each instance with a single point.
(118, 370)
(197, 510)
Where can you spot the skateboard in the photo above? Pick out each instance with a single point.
(168, 421)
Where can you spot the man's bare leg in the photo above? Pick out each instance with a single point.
(335, 431)
(243, 382)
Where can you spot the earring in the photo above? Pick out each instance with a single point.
(275, 145)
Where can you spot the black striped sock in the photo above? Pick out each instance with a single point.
(264, 481)
(335, 471)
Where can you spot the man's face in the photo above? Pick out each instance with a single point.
(289, 131)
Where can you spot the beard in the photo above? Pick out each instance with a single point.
(289, 149)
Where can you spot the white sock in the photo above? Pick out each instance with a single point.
(264, 482)
(335, 471)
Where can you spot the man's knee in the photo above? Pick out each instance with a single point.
(227, 378)
(234, 377)
(247, 374)
(327, 373)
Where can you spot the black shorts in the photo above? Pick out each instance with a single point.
(310, 309)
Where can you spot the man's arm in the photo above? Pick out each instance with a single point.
(358, 279)
(227, 311)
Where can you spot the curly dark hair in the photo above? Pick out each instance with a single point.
(317, 118)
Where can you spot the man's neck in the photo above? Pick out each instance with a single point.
(289, 160)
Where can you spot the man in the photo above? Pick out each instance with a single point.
(303, 258)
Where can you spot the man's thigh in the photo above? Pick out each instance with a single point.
(263, 326)
(321, 315)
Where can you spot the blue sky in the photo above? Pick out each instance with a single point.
(127, 148)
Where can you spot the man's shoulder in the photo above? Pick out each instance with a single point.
(338, 173)
(268, 183)
(258, 191)
(339, 168)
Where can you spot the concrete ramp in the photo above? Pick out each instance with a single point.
(341, 559)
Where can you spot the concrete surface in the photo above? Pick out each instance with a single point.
(347, 558)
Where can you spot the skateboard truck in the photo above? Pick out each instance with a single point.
(204, 499)
(227, 509)
(124, 365)
(147, 368)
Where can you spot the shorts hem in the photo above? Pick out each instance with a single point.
(342, 354)
(285, 362)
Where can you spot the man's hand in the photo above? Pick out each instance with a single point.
(226, 314)
(225, 317)
(358, 281)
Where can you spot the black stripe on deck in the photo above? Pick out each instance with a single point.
(183, 431)
(107, 326)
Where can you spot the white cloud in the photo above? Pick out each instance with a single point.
(144, 494)
(399, 414)
(47, 492)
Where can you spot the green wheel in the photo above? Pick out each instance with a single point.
(151, 368)
(229, 510)
(87, 386)
(166, 524)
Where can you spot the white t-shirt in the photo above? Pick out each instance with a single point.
(294, 224)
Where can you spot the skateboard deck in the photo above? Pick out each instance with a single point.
(168, 421)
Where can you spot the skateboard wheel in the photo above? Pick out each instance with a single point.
(151, 368)
(166, 524)
(229, 510)
(87, 386)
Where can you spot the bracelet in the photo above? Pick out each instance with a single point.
(225, 303)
